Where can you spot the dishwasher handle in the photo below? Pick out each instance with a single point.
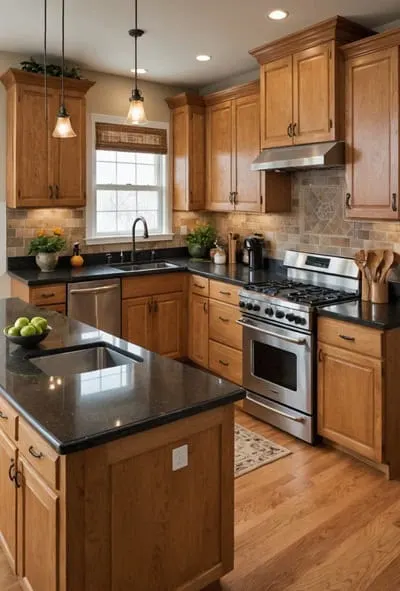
(94, 290)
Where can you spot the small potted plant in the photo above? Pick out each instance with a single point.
(200, 240)
(47, 246)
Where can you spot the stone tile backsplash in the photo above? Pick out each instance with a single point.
(315, 224)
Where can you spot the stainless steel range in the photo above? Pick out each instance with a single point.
(279, 338)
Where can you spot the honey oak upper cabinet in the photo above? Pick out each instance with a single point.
(43, 171)
(188, 151)
(233, 142)
(302, 84)
(372, 127)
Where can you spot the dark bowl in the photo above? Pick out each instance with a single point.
(27, 342)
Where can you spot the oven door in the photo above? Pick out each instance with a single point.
(277, 364)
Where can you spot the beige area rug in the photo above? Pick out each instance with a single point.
(253, 451)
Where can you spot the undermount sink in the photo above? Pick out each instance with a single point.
(132, 267)
(82, 360)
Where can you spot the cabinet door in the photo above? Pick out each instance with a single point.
(313, 94)
(246, 147)
(8, 499)
(137, 322)
(219, 157)
(197, 158)
(276, 103)
(168, 310)
(372, 124)
(70, 177)
(38, 531)
(198, 329)
(350, 400)
(34, 158)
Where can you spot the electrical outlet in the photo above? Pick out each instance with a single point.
(184, 230)
(180, 458)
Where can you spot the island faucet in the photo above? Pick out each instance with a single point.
(145, 235)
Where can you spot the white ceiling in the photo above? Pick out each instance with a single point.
(176, 31)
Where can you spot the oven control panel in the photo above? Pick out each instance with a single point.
(287, 315)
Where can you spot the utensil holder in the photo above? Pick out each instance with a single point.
(365, 288)
(379, 293)
(232, 252)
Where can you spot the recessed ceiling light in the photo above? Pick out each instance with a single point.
(278, 14)
(203, 58)
(139, 70)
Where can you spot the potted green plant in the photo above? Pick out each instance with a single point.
(200, 240)
(46, 247)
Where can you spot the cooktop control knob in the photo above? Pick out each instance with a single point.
(280, 314)
(297, 319)
(290, 317)
(256, 307)
(249, 306)
(242, 304)
(269, 311)
(303, 321)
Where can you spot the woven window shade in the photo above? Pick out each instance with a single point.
(128, 138)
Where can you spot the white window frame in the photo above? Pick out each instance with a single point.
(91, 237)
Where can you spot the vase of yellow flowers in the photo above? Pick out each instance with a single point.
(47, 246)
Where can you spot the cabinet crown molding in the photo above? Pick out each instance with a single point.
(376, 42)
(337, 29)
(183, 99)
(15, 76)
(232, 93)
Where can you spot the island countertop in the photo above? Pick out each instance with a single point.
(83, 410)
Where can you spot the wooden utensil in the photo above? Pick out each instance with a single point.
(361, 262)
(373, 262)
(388, 259)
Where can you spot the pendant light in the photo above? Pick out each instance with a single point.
(63, 128)
(136, 113)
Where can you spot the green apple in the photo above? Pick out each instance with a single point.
(39, 321)
(28, 331)
(13, 331)
(21, 322)
(38, 328)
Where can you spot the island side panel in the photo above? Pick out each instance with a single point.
(147, 526)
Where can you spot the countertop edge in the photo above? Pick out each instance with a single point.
(359, 321)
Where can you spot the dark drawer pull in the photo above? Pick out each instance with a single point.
(346, 338)
(47, 295)
(199, 286)
(36, 454)
(223, 319)
(224, 363)
(225, 293)
(3, 416)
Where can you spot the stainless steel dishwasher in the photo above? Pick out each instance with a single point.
(97, 303)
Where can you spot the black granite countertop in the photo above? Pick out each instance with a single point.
(236, 274)
(380, 316)
(84, 410)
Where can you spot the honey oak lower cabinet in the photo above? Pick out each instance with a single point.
(198, 329)
(136, 321)
(8, 499)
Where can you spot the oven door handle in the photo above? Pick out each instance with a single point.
(279, 412)
(272, 334)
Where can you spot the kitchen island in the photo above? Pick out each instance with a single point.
(114, 479)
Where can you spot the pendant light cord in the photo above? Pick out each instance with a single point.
(136, 19)
(46, 112)
(62, 50)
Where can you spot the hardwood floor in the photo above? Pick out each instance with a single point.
(316, 520)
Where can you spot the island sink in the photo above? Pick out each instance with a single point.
(81, 360)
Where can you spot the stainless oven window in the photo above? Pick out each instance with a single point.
(275, 365)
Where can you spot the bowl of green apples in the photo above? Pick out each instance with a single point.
(27, 333)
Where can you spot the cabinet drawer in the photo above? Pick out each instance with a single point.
(223, 327)
(8, 419)
(38, 453)
(60, 308)
(153, 285)
(225, 361)
(48, 294)
(225, 292)
(350, 336)
(199, 285)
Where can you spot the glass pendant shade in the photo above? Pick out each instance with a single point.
(63, 128)
(136, 113)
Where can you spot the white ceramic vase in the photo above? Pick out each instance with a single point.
(47, 261)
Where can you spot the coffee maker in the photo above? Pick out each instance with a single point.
(253, 251)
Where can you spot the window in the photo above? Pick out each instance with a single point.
(129, 180)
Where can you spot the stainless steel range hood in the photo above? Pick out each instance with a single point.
(324, 155)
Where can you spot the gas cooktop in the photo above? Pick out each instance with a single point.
(300, 293)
